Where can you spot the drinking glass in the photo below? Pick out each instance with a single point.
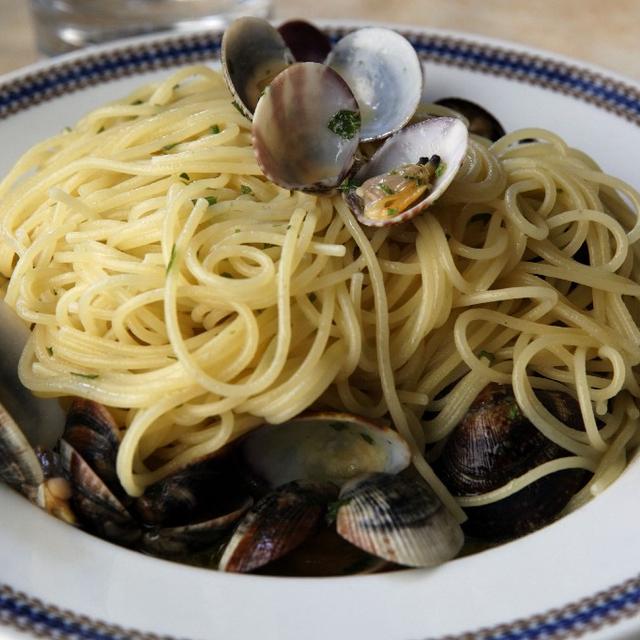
(64, 25)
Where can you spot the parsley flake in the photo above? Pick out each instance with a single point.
(185, 176)
(486, 354)
(345, 123)
(347, 185)
(391, 212)
(172, 258)
(215, 129)
(135, 103)
(245, 189)
(90, 376)
(168, 147)
(334, 507)
(514, 411)
(312, 298)
(50, 351)
(440, 169)
(386, 189)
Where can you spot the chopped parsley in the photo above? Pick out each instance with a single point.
(215, 129)
(386, 189)
(50, 351)
(245, 189)
(237, 106)
(312, 298)
(135, 103)
(347, 185)
(211, 200)
(172, 258)
(90, 376)
(101, 129)
(486, 354)
(345, 123)
(334, 507)
(185, 176)
(440, 169)
(391, 212)
(367, 438)
(514, 411)
(168, 147)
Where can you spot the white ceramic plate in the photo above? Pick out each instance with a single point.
(577, 576)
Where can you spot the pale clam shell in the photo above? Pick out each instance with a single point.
(41, 420)
(19, 465)
(446, 137)
(398, 519)
(324, 446)
(385, 74)
(294, 145)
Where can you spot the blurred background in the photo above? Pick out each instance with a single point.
(604, 33)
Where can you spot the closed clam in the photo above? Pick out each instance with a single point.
(399, 519)
(277, 524)
(185, 512)
(388, 516)
(494, 444)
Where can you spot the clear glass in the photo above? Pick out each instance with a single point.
(65, 25)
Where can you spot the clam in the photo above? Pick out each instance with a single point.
(305, 41)
(493, 444)
(306, 128)
(277, 524)
(252, 53)
(409, 172)
(28, 427)
(323, 447)
(381, 511)
(384, 72)
(481, 122)
(399, 519)
(41, 420)
(185, 512)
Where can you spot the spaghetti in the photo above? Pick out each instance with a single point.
(166, 278)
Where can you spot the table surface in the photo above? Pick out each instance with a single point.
(604, 33)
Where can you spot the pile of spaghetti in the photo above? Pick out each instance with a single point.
(165, 277)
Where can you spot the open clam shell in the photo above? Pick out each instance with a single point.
(93, 502)
(324, 446)
(445, 138)
(41, 420)
(278, 523)
(19, 465)
(306, 128)
(398, 519)
(384, 72)
(252, 53)
(305, 41)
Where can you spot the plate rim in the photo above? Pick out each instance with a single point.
(592, 612)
